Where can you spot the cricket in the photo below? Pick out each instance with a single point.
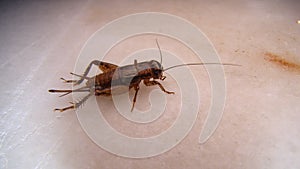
(114, 76)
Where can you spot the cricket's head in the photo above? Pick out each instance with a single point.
(156, 70)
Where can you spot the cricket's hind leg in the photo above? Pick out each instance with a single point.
(66, 92)
(103, 66)
(68, 81)
(75, 82)
(75, 105)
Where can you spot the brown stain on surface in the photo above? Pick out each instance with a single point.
(279, 60)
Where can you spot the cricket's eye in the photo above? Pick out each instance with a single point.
(157, 72)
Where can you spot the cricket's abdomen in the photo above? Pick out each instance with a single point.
(115, 82)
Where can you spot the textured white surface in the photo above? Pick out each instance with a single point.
(40, 41)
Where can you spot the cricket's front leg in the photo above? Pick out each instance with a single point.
(136, 88)
(148, 82)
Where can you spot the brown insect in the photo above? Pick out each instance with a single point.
(114, 76)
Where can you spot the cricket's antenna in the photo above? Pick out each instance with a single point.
(195, 64)
(159, 51)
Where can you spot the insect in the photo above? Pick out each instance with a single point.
(113, 76)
